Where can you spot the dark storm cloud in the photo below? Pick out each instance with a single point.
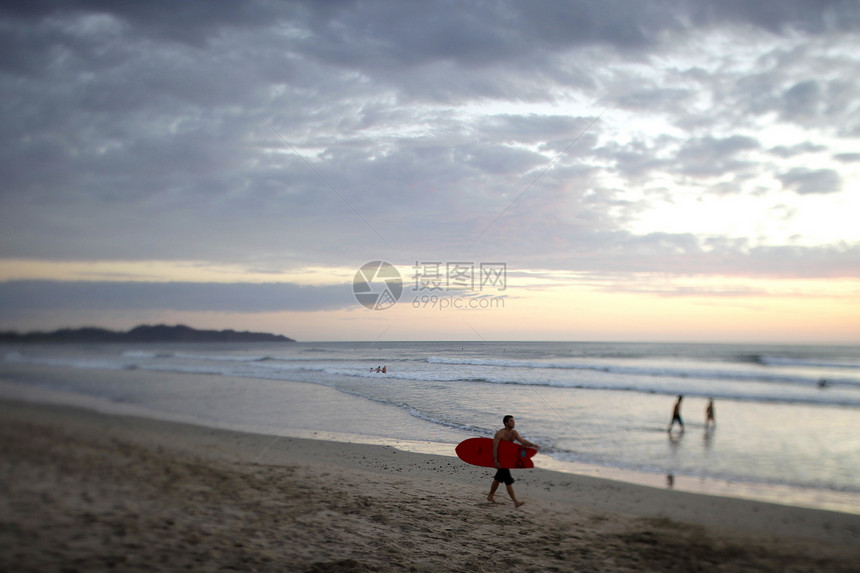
(695, 157)
(803, 99)
(654, 98)
(811, 181)
(711, 156)
(777, 16)
(133, 130)
(186, 22)
(507, 128)
(18, 296)
(794, 150)
(847, 157)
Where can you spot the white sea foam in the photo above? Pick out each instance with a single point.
(598, 404)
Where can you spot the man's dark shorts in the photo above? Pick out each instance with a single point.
(504, 476)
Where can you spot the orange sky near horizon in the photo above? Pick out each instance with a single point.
(670, 309)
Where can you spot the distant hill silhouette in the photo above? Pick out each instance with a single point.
(143, 333)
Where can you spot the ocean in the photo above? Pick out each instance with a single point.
(787, 417)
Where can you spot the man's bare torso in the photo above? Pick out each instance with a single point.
(508, 435)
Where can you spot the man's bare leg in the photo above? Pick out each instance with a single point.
(517, 502)
(493, 489)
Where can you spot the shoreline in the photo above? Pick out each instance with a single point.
(176, 492)
(314, 396)
(335, 401)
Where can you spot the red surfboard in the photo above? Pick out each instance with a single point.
(479, 452)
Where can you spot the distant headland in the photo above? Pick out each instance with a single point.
(142, 333)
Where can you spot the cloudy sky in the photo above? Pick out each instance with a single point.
(646, 170)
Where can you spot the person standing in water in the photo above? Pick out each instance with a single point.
(676, 415)
(710, 420)
(503, 475)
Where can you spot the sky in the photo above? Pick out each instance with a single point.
(579, 170)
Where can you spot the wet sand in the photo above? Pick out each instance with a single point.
(84, 491)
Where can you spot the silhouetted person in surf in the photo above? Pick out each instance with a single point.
(676, 415)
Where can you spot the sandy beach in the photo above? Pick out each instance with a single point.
(84, 491)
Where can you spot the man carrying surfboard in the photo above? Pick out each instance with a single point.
(503, 475)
